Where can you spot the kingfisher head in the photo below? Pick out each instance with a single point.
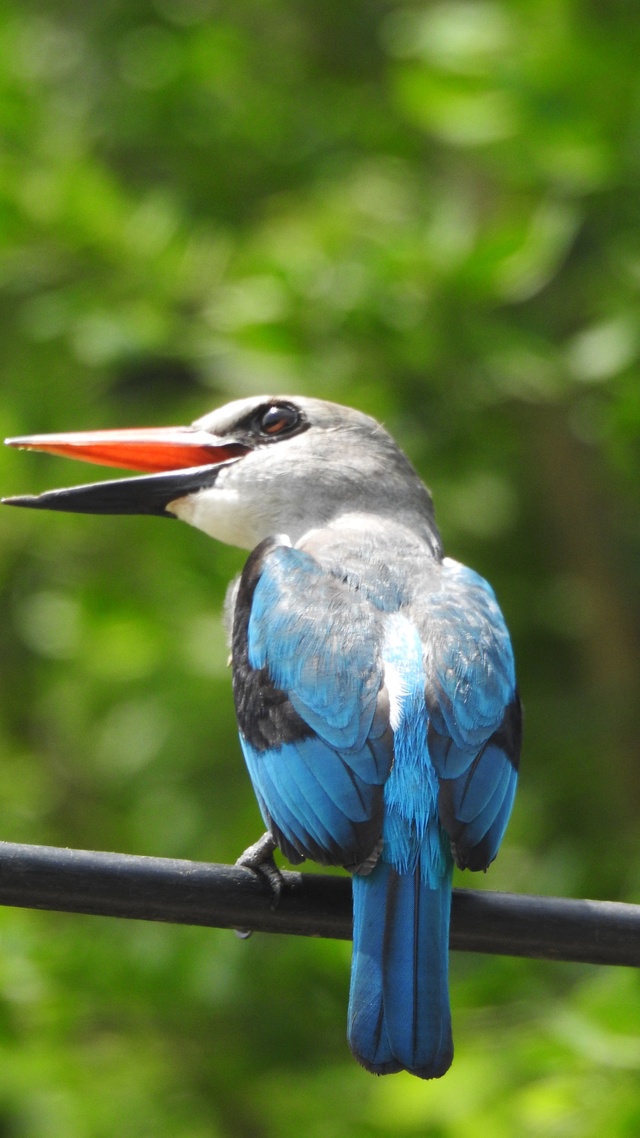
(255, 467)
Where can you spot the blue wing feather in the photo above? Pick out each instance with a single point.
(490, 843)
(470, 666)
(478, 827)
(304, 810)
(319, 642)
(488, 775)
(321, 792)
(474, 731)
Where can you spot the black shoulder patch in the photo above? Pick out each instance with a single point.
(265, 714)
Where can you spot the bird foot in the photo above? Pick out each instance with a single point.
(259, 857)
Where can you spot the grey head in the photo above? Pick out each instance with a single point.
(309, 463)
(251, 469)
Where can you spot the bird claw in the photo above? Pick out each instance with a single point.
(259, 858)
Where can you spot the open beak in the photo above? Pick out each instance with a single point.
(178, 461)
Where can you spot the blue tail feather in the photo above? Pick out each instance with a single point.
(399, 1017)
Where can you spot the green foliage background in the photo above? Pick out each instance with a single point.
(432, 212)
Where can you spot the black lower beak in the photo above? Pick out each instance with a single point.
(150, 494)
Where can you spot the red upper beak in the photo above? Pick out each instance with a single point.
(150, 449)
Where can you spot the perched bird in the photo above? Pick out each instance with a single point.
(373, 677)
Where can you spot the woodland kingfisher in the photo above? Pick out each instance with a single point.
(373, 677)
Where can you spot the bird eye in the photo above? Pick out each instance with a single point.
(278, 419)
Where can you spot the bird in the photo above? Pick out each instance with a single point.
(373, 677)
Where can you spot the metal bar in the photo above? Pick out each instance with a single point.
(226, 896)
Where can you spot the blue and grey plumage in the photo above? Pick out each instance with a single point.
(373, 681)
(395, 751)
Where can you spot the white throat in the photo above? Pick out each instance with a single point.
(221, 513)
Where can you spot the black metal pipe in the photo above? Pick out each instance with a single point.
(226, 896)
